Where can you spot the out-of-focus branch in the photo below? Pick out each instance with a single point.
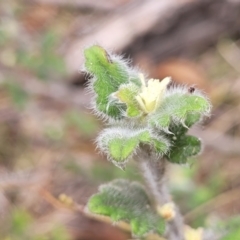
(100, 4)
(190, 30)
(121, 28)
(163, 29)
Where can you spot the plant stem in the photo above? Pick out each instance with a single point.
(154, 171)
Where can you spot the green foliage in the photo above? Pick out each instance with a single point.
(121, 143)
(21, 224)
(126, 94)
(20, 221)
(235, 234)
(125, 201)
(46, 63)
(232, 229)
(176, 108)
(109, 73)
(183, 148)
(18, 95)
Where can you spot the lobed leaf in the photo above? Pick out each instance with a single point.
(121, 143)
(109, 73)
(176, 107)
(127, 201)
(182, 148)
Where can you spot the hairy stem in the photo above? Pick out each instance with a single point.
(154, 172)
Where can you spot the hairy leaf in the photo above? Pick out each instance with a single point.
(184, 147)
(122, 200)
(109, 73)
(160, 145)
(121, 143)
(127, 94)
(176, 107)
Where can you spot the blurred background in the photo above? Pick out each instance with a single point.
(48, 162)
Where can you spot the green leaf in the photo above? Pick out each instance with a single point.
(176, 107)
(183, 148)
(109, 73)
(127, 94)
(121, 149)
(120, 143)
(127, 201)
(161, 145)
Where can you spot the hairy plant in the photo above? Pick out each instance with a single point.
(147, 120)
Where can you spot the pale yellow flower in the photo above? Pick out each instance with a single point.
(151, 94)
(167, 211)
(193, 234)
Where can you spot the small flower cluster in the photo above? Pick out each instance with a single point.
(142, 111)
(152, 94)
